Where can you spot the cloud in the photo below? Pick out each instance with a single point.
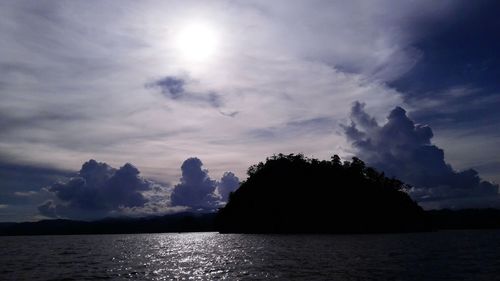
(443, 65)
(23, 186)
(227, 184)
(24, 179)
(26, 194)
(196, 188)
(171, 86)
(158, 203)
(97, 191)
(268, 79)
(229, 114)
(404, 150)
(263, 76)
(175, 88)
(456, 89)
(48, 209)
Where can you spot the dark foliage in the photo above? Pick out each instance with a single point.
(295, 194)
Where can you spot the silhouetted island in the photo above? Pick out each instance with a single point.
(295, 194)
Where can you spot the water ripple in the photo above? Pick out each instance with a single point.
(448, 255)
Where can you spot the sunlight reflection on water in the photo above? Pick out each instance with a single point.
(450, 255)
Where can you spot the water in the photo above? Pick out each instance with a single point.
(446, 255)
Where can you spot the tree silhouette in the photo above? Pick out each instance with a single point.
(295, 194)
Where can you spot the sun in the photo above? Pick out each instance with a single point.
(197, 42)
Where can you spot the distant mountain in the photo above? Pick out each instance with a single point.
(465, 219)
(190, 222)
(295, 194)
(181, 222)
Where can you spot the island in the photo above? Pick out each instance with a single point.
(295, 194)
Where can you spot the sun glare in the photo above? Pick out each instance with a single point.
(197, 42)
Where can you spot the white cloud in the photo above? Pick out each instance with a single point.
(26, 193)
(75, 76)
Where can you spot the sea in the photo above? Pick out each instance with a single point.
(442, 255)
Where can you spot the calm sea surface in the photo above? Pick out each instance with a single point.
(446, 255)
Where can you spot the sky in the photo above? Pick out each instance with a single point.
(153, 107)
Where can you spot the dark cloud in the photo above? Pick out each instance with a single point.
(196, 189)
(175, 88)
(171, 86)
(230, 114)
(24, 177)
(458, 49)
(21, 183)
(404, 150)
(97, 190)
(48, 209)
(228, 183)
(23, 187)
